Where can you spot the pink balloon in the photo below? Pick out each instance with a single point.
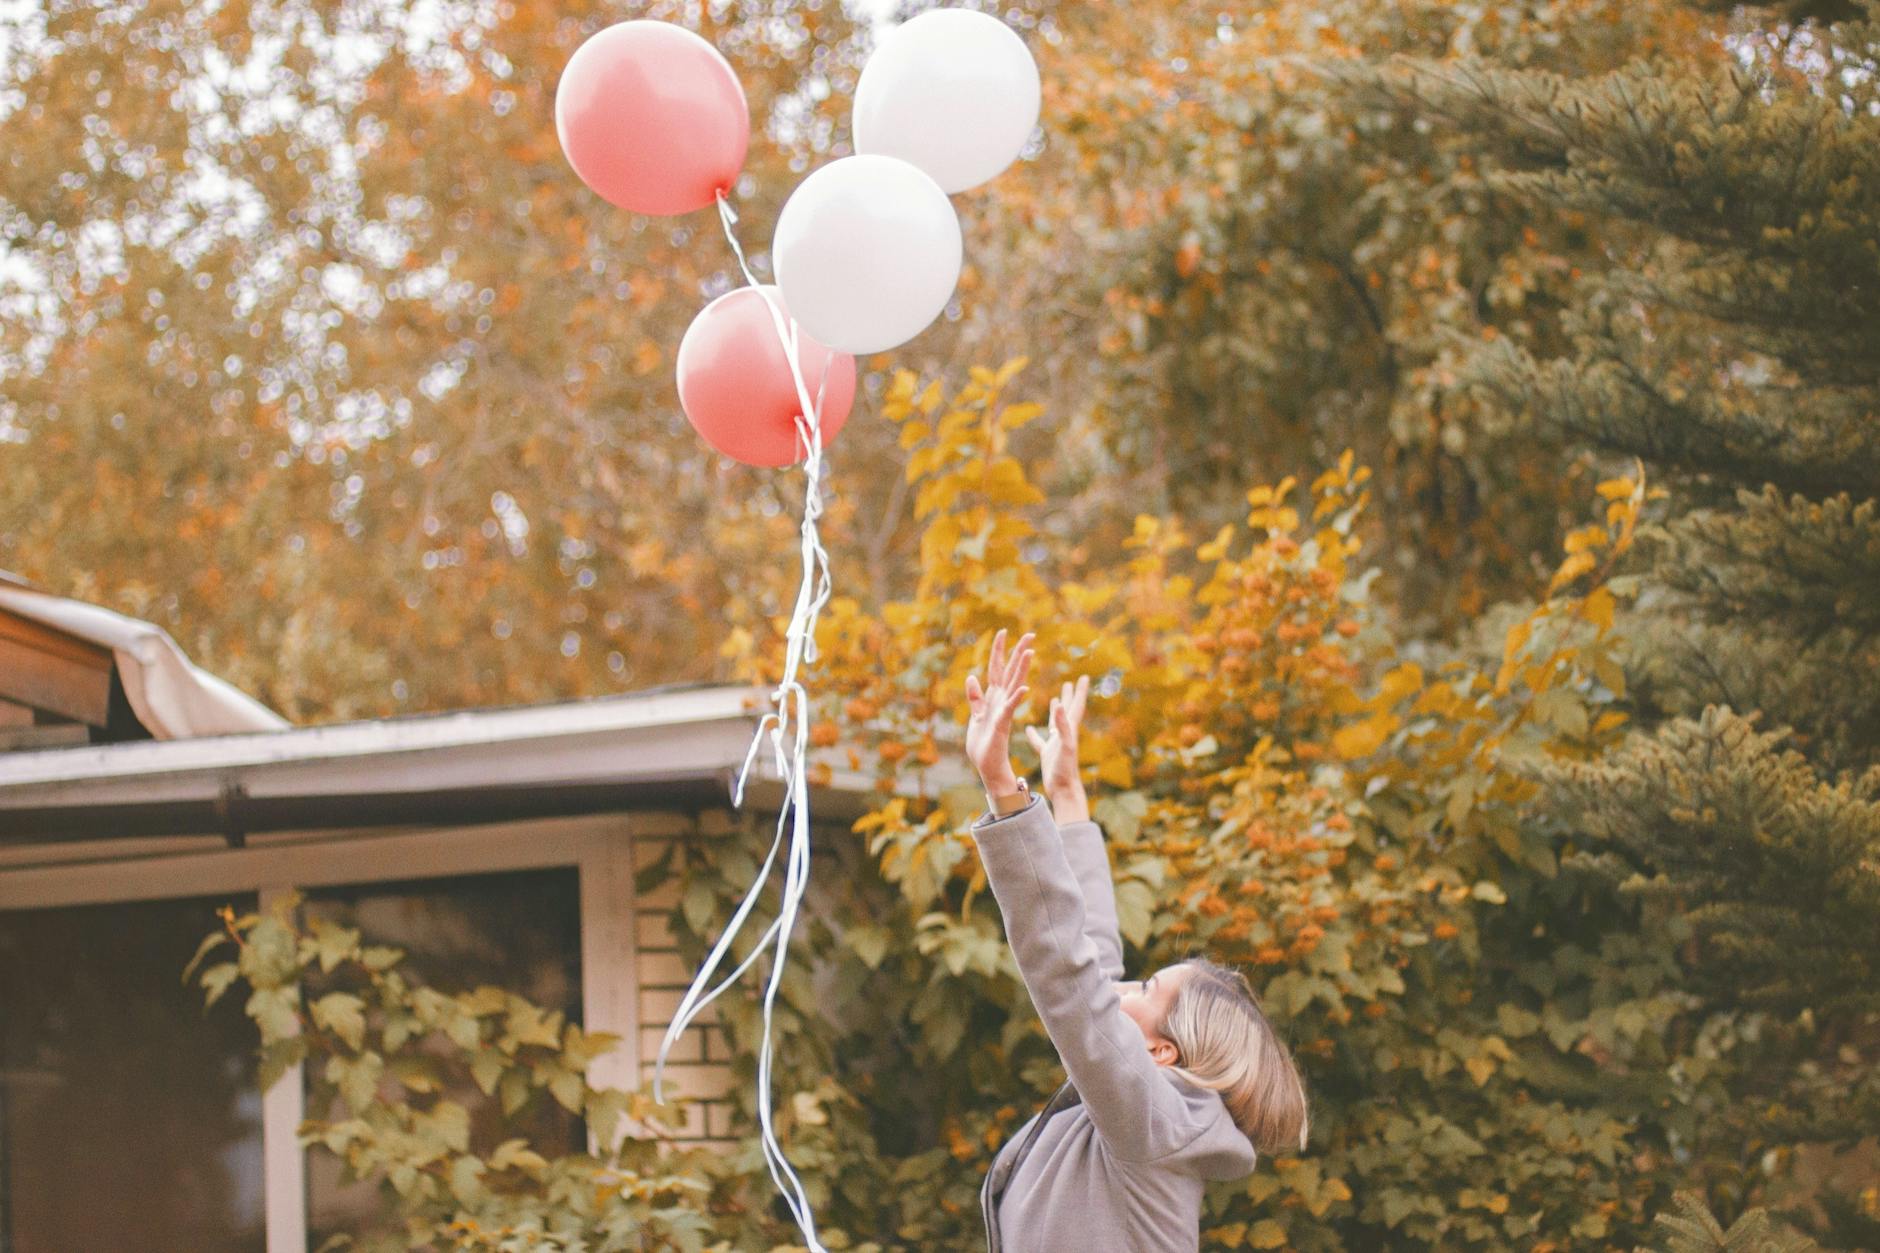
(735, 384)
(652, 118)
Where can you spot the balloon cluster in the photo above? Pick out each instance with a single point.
(867, 253)
(867, 249)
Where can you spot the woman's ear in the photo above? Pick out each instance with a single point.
(1164, 1052)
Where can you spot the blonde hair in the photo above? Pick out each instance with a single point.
(1223, 1042)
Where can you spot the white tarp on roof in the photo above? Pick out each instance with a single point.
(172, 697)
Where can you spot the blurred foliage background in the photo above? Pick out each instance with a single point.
(1528, 754)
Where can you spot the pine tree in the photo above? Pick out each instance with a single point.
(1732, 343)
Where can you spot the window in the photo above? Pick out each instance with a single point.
(129, 1117)
(520, 931)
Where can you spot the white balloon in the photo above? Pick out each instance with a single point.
(953, 91)
(867, 251)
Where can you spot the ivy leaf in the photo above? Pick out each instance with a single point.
(216, 980)
(868, 942)
(486, 1067)
(334, 944)
(699, 904)
(344, 1015)
(209, 943)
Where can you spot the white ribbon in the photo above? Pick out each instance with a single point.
(792, 715)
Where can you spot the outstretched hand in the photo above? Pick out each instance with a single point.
(989, 729)
(1057, 748)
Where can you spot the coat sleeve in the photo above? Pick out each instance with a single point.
(1090, 862)
(1137, 1111)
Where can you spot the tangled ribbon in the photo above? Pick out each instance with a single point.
(791, 719)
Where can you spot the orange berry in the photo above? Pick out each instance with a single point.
(823, 734)
(891, 750)
(1445, 930)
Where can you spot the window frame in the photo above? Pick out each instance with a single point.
(599, 847)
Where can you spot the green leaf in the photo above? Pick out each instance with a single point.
(516, 1153)
(417, 1073)
(452, 1123)
(209, 942)
(357, 1078)
(334, 944)
(486, 1067)
(1266, 1234)
(270, 958)
(869, 942)
(273, 1009)
(1121, 815)
(344, 1015)
(699, 904)
(278, 1057)
(515, 1091)
(381, 957)
(216, 980)
(1135, 910)
(567, 1087)
(1487, 891)
(466, 1181)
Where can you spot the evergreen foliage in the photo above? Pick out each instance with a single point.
(1732, 342)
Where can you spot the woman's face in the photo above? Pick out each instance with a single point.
(1147, 1003)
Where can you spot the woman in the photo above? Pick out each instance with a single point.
(1174, 1080)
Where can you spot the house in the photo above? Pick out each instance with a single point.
(139, 794)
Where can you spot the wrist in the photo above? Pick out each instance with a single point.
(997, 782)
(1010, 799)
(1068, 806)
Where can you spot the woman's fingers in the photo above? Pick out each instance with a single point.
(996, 664)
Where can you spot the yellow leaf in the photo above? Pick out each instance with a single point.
(1616, 489)
(1361, 739)
(1115, 771)
(1216, 548)
(1480, 1069)
(1399, 683)
(1598, 608)
(1570, 569)
(1015, 416)
(1586, 537)
(1517, 636)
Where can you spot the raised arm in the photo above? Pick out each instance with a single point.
(1137, 1111)
(1090, 863)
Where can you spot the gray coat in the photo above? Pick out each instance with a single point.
(1117, 1160)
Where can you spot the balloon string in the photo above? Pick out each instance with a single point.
(792, 720)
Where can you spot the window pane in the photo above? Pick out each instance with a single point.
(518, 930)
(129, 1118)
